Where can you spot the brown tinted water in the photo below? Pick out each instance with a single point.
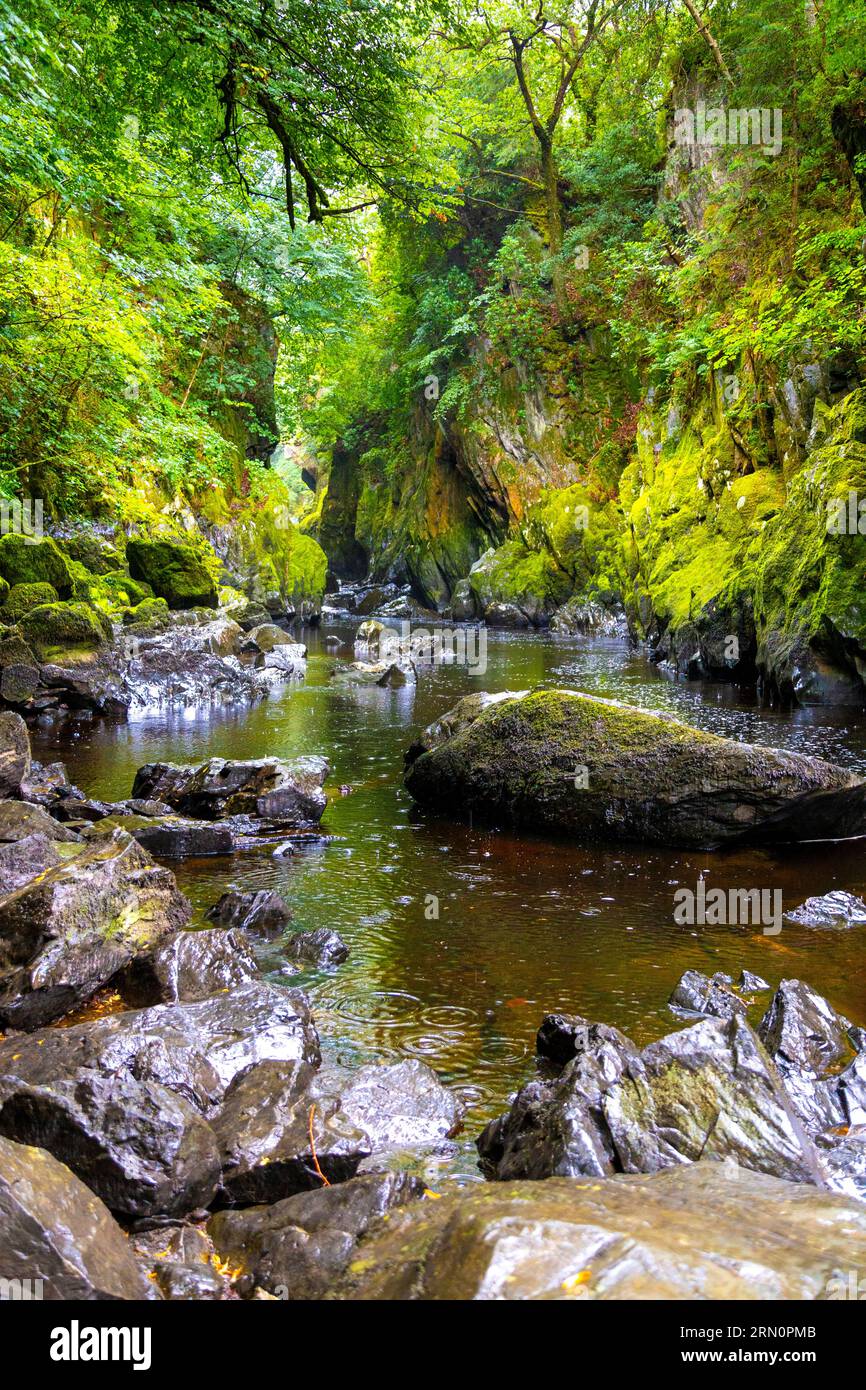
(526, 925)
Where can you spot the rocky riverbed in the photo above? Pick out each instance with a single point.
(154, 1085)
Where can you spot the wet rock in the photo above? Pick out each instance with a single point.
(173, 668)
(180, 1259)
(801, 1030)
(65, 934)
(322, 947)
(403, 1105)
(388, 674)
(463, 603)
(709, 1091)
(752, 984)
(262, 911)
(140, 1147)
(288, 793)
(625, 1238)
(580, 617)
(171, 836)
(267, 636)
(277, 1138)
(22, 861)
(174, 572)
(190, 1283)
(558, 1127)
(189, 966)
(564, 1036)
(25, 560)
(595, 769)
(500, 614)
(296, 1248)
(371, 600)
(836, 909)
(14, 754)
(369, 636)
(193, 1049)
(54, 1230)
(285, 662)
(20, 819)
(698, 994)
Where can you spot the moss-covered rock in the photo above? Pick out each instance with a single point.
(65, 633)
(598, 770)
(24, 560)
(23, 597)
(173, 571)
(96, 554)
(150, 616)
(4, 591)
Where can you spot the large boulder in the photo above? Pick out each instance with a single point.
(68, 932)
(170, 837)
(595, 769)
(22, 598)
(66, 634)
(141, 1148)
(284, 793)
(174, 571)
(705, 1231)
(400, 1105)
(24, 560)
(57, 1237)
(14, 754)
(21, 819)
(297, 1248)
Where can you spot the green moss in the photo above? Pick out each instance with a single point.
(147, 618)
(65, 632)
(23, 597)
(95, 554)
(173, 571)
(4, 591)
(27, 561)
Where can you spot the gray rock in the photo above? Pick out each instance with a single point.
(836, 909)
(66, 933)
(297, 1248)
(20, 819)
(625, 1238)
(140, 1147)
(402, 1105)
(752, 984)
(277, 1137)
(263, 911)
(697, 994)
(54, 1230)
(22, 860)
(284, 793)
(188, 966)
(14, 753)
(321, 947)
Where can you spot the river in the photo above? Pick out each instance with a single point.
(526, 925)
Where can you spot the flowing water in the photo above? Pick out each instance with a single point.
(526, 925)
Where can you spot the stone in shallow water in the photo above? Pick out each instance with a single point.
(321, 947)
(263, 911)
(698, 1232)
(752, 984)
(698, 994)
(594, 769)
(14, 754)
(403, 1105)
(53, 1228)
(190, 965)
(836, 909)
(287, 793)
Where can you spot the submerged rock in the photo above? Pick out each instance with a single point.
(297, 1248)
(625, 1238)
(276, 791)
(836, 909)
(263, 911)
(66, 933)
(594, 769)
(56, 1234)
(321, 947)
